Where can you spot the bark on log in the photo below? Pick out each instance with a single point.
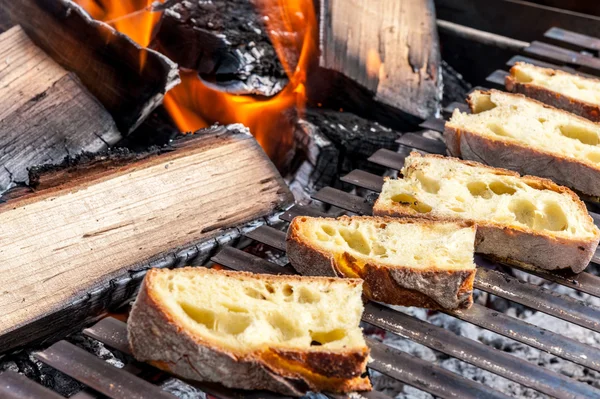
(46, 113)
(386, 54)
(108, 63)
(85, 225)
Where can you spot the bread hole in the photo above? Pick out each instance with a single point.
(254, 293)
(287, 290)
(482, 103)
(269, 288)
(322, 236)
(330, 231)
(581, 85)
(286, 326)
(457, 209)
(307, 296)
(542, 120)
(234, 308)
(593, 156)
(523, 210)
(417, 257)
(584, 135)
(498, 130)
(411, 201)
(429, 184)
(522, 76)
(233, 323)
(356, 240)
(479, 189)
(459, 199)
(202, 316)
(501, 188)
(326, 337)
(382, 225)
(555, 218)
(170, 286)
(379, 249)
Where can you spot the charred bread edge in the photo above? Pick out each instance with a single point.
(155, 337)
(396, 286)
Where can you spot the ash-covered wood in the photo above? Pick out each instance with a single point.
(90, 223)
(332, 144)
(108, 63)
(382, 57)
(46, 114)
(223, 39)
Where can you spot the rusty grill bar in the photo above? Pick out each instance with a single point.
(102, 378)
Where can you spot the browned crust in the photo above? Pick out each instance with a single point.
(516, 243)
(577, 106)
(382, 283)
(156, 337)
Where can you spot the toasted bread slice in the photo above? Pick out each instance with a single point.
(573, 93)
(518, 133)
(403, 261)
(287, 334)
(524, 219)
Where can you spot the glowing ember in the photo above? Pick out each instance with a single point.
(194, 104)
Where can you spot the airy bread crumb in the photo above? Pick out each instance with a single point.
(436, 187)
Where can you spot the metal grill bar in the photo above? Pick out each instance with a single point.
(559, 54)
(16, 386)
(577, 39)
(433, 124)
(505, 325)
(533, 61)
(364, 179)
(97, 374)
(389, 159)
(435, 380)
(449, 109)
(297, 210)
(476, 353)
(527, 333)
(237, 259)
(497, 77)
(420, 142)
(538, 298)
(344, 200)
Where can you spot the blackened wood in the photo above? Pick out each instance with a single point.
(46, 113)
(108, 63)
(381, 59)
(16, 386)
(72, 237)
(224, 39)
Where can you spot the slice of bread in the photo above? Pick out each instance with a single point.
(573, 93)
(287, 334)
(403, 261)
(522, 220)
(514, 132)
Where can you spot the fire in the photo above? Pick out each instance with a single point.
(194, 104)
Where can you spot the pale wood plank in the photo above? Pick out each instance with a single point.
(60, 242)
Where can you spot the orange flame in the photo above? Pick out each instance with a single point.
(195, 104)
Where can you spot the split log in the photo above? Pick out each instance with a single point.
(223, 39)
(381, 59)
(128, 80)
(46, 114)
(89, 223)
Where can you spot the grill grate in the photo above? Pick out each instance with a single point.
(132, 380)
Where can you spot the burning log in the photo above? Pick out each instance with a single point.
(113, 216)
(46, 113)
(224, 39)
(127, 79)
(380, 59)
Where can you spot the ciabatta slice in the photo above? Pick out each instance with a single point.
(519, 219)
(514, 132)
(573, 93)
(288, 334)
(408, 262)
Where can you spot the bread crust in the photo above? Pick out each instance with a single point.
(579, 107)
(517, 244)
(156, 337)
(466, 144)
(426, 287)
